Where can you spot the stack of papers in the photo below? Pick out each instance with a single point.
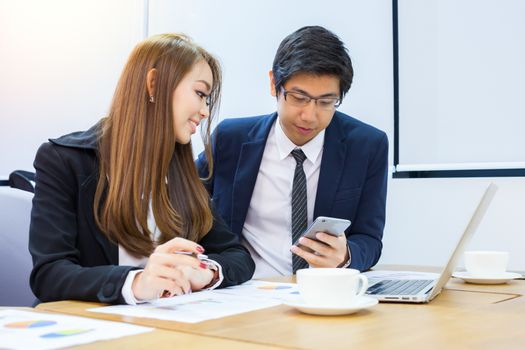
(41, 331)
(207, 305)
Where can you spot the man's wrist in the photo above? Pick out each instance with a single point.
(347, 261)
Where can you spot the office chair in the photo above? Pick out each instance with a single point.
(15, 260)
(23, 180)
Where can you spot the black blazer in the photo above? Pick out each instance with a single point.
(72, 258)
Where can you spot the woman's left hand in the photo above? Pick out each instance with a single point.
(198, 278)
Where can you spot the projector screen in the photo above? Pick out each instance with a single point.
(461, 84)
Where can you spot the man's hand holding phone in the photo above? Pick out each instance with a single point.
(324, 243)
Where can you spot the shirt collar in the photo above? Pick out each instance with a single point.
(311, 149)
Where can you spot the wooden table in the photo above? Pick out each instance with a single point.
(463, 316)
(163, 339)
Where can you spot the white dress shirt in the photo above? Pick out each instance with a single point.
(267, 230)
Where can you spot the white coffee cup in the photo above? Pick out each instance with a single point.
(484, 263)
(331, 287)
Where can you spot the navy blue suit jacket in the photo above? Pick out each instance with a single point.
(352, 180)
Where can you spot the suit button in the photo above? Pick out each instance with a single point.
(109, 289)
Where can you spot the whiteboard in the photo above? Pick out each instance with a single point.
(461, 84)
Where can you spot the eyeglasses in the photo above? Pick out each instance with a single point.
(300, 99)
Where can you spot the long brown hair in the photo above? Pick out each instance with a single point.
(140, 160)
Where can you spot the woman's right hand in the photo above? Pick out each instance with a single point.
(161, 275)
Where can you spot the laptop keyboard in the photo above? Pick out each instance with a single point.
(399, 287)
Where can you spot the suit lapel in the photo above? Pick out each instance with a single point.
(332, 164)
(250, 157)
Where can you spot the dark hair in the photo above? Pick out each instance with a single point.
(313, 50)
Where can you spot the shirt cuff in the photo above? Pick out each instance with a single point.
(127, 292)
(215, 266)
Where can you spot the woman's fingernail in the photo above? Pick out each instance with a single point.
(203, 265)
(200, 249)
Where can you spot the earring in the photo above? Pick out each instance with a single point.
(151, 99)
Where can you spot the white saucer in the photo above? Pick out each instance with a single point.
(498, 278)
(359, 304)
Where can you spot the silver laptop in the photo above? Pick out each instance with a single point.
(424, 290)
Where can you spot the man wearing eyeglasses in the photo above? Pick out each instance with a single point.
(274, 174)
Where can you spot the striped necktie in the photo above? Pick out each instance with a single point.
(299, 206)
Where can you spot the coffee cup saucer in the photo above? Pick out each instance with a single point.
(360, 303)
(494, 278)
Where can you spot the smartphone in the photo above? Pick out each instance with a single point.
(333, 226)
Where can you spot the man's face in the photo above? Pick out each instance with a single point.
(300, 120)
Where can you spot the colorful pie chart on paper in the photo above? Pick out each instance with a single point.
(274, 287)
(65, 333)
(30, 324)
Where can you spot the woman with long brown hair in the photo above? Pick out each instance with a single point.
(120, 214)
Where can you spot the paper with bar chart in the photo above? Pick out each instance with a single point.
(207, 305)
(41, 331)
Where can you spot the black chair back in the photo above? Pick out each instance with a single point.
(22, 180)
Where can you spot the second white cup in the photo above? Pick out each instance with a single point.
(484, 263)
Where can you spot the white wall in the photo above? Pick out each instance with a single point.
(60, 60)
(59, 64)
